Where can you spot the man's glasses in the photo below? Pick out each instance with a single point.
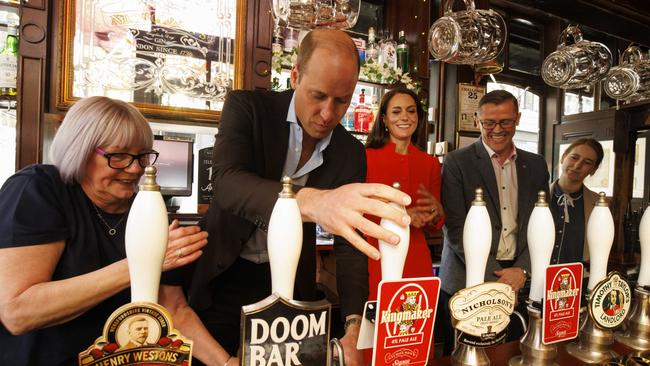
(123, 160)
(504, 123)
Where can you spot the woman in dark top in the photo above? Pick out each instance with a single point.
(62, 257)
(571, 201)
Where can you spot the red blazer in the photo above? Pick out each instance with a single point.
(410, 170)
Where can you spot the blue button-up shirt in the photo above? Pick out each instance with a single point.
(255, 249)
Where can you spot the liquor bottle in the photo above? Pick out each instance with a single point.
(290, 40)
(402, 53)
(374, 108)
(387, 55)
(362, 114)
(277, 41)
(348, 118)
(360, 43)
(9, 64)
(372, 48)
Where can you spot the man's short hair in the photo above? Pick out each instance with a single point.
(499, 97)
(315, 39)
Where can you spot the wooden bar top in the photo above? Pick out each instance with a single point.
(501, 354)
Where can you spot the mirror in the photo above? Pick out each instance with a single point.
(170, 58)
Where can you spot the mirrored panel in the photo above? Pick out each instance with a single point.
(168, 57)
(525, 46)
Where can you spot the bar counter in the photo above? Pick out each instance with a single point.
(501, 354)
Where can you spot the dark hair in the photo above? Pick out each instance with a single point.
(323, 38)
(379, 134)
(498, 97)
(593, 144)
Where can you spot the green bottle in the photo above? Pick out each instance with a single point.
(9, 64)
(402, 51)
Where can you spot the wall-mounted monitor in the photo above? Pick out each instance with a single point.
(175, 165)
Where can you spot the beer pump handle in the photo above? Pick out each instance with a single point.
(477, 238)
(284, 241)
(541, 238)
(600, 236)
(146, 234)
(644, 237)
(393, 256)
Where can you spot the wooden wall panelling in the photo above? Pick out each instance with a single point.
(450, 103)
(552, 104)
(414, 18)
(31, 81)
(628, 19)
(257, 57)
(624, 147)
(435, 97)
(436, 82)
(629, 121)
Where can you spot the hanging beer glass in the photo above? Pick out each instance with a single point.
(576, 63)
(310, 14)
(630, 81)
(467, 37)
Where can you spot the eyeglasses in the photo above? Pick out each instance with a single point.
(504, 123)
(123, 160)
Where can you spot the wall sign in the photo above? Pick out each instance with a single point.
(468, 98)
(205, 176)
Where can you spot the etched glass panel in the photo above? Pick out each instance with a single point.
(167, 53)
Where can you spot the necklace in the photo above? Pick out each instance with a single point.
(111, 230)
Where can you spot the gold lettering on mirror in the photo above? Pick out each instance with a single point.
(170, 58)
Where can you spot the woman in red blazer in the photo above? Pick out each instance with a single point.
(393, 157)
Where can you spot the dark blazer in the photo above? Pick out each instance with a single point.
(249, 154)
(463, 171)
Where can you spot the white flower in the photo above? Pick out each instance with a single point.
(383, 74)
